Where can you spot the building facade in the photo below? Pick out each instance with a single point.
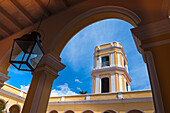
(111, 90)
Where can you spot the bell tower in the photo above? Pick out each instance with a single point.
(110, 72)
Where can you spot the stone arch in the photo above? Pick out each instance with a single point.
(135, 111)
(76, 24)
(53, 111)
(69, 111)
(16, 108)
(90, 17)
(109, 111)
(87, 111)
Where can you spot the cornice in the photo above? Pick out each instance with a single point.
(152, 30)
(4, 77)
(104, 101)
(50, 64)
(114, 68)
(12, 95)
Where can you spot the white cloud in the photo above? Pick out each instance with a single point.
(77, 80)
(64, 90)
(24, 88)
(79, 88)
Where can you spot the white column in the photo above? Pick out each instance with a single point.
(125, 84)
(112, 59)
(122, 60)
(112, 82)
(118, 59)
(92, 85)
(126, 67)
(97, 84)
(120, 83)
(129, 89)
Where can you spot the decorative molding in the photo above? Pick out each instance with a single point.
(50, 64)
(154, 44)
(112, 69)
(12, 94)
(3, 78)
(104, 101)
(154, 83)
(152, 30)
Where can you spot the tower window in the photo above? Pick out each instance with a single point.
(105, 61)
(105, 85)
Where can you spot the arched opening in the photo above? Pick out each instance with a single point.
(14, 109)
(109, 111)
(2, 105)
(134, 111)
(105, 85)
(53, 111)
(69, 111)
(88, 111)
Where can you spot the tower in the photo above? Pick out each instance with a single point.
(110, 72)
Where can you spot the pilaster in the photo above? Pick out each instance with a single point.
(153, 42)
(41, 84)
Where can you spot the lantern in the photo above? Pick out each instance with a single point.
(27, 52)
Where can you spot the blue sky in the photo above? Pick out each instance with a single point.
(78, 58)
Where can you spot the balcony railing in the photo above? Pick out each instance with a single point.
(106, 63)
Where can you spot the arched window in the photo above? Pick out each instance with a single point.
(105, 85)
(53, 111)
(88, 111)
(14, 109)
(109, 111)
(2, 105)
(134, 111)
(69, 111)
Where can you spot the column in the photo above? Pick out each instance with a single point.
(112, 59)
(120, 82)
(125, 83)
(153, 42)
(129, 88)
(118, 59)
(112, 82)
(97, 84)
(41, 84)
(123, 61)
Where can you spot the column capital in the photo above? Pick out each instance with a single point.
(3, 78)
(151, 35)
(50, 64)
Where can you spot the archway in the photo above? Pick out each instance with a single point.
(88, 111)
(14, 109)
(61, 47)
(109, 111)
(69, 111)
(53, 111)
(135, 111)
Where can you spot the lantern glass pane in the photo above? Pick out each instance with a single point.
(16, 52)
(36, 56)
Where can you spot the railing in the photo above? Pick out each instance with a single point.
(106, 63)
